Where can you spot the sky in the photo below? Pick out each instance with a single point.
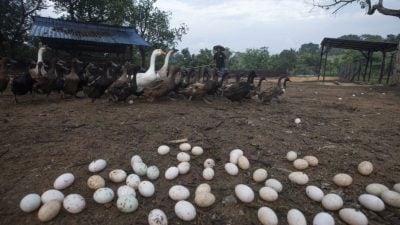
(276, 24)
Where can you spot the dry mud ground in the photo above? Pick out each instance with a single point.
(41, 140)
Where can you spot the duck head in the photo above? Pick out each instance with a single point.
(159, 52)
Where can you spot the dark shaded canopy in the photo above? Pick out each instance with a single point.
(359, 45)
(67, 35)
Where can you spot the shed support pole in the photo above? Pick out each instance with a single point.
(326, 60)
(382, 66)
(366, 66)
(370, 66)
(320, 61)
(131, 53)
(390, 69)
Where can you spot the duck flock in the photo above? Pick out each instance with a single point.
(120, 82)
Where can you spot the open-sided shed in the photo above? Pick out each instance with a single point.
(74, 36)
(367, 48)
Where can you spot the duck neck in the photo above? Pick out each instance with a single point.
(152, 63)
(40, 55)
(259, 84)
(166, 61)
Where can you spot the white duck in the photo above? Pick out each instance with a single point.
(144, 79)
(34, 71)
(163, 72)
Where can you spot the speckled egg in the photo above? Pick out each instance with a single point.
(95, 182)
(125, 190)
(63, 181)
(185, 147)
(146, 188)
(133, 181)
(209, 163)
(103, 195)
(183, 157)
(74, 203)
(185, 210)
(152, 172)
(197, 150)
(157, 217)
(184, 167)
(178, 192)
(127, 203)
(274, 184)
(117, 175)
(52, 194)
(140, 168)
(163, 150)
(171, 173)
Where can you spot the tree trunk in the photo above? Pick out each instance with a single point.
(396, 68)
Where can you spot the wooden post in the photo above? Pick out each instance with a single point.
(320, 61)
(382, 66)
(390, 70)
(366, 66)
(396, 67)
(326, 59)
(370, 66)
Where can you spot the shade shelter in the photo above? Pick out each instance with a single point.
(73, 36)
(367, 48)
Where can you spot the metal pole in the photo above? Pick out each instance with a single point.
(390, 69)
(366, 66)
(370, 66)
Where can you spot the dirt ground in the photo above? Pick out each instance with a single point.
(41, 140)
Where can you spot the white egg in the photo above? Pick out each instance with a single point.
(30, 202)
(136, 159)
(291, 155)
(146, 188)
(133, 181)
(267, 216)
(157, 217)
(52, 194)
(184, 167)
(125, 190)
(185, 210)
(365, 168)
(197, 150)
(208, 173)
(49, 210)
(234, 155)
(140, 168)
(391, 198)
(371, 202)
(274, 184)
(268, 194)
(209, 163)
(353, 217)
(171, 173)
(312, 160)
(74, 203)
(332, 202)
(314, 193)
(296, 217)
(323, 218)
(64, 181)
(97, 165)
(203, 188)
(152, 172)
(260, 175)
(300, 164)
(185, 147)
(243, 162)
(117, 175)
(340, 99)
(342, 180)
(244, 193)
(130, 102)
(298, 178)
(163, 150)
(95, 182)
(204, 199)
(376, 189)
(231, 169)
(127, 203)
(178, 192)
(297, 120)
(103, 195)
(396, 187)
(183, 157)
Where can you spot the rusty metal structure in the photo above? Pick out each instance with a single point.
(367, 49)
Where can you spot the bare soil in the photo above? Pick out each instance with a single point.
(41, 140)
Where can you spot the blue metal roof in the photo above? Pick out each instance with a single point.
(76, 31)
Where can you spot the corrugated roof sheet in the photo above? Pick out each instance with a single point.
(359, 45)
(69, 30)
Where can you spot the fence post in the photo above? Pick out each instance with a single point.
(396, 67)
